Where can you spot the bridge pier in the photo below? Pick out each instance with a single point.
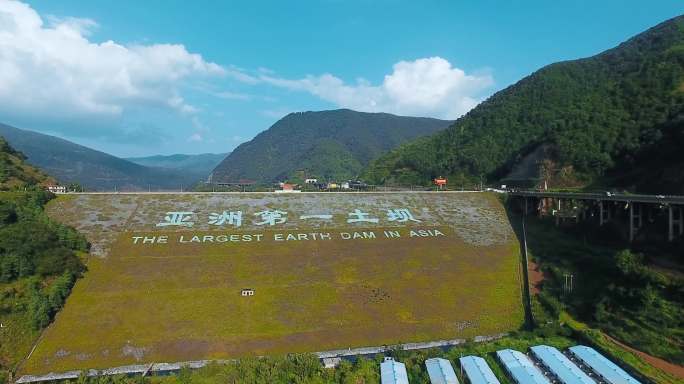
(634, 216)
(673, 220)
(604, 213)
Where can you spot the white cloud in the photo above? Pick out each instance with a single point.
(232, 95)
(84, 26)
(240, 74)
(54, 74)
(55, 71)
(424, 87)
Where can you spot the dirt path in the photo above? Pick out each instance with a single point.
(535, 276)
(673, 369)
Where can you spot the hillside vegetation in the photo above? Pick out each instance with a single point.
(39, 259)
(596, 116)
(615, 288)
(14, 172)
(334, 145)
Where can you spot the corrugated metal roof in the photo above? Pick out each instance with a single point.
(521, 368)
(477, 370)
(441, 371)
(598, 363)
(564, 369)
(393, 372)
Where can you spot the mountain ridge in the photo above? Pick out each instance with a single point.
(593, 114)
(69, 162)
(334, 144)
(199, 165)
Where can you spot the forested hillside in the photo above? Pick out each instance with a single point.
(14, 172)
(333, 145)
(623, 291)
(597, 116)
(39, 259)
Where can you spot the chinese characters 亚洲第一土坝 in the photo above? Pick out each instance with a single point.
(274, 217)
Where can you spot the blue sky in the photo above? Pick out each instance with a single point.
(137, 78)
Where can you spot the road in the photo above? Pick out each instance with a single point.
(621, 197)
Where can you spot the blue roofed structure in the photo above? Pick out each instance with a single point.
(477, 371)
(561, 367)
(605, 369)
(393, 372)
(521, 369)
(441, 371)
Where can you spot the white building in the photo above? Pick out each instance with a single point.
(56, 188)
(441, 371)
(393, 372)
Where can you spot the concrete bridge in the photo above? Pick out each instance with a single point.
(579, 205)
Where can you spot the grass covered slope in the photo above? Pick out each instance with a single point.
(181, 301)
(594, 114)
(333, 145)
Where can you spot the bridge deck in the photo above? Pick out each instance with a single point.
(621, 197)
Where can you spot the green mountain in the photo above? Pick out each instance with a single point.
(575, 123)
(72, 163)
(15, 173)
(327, 144)
(200, 165)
